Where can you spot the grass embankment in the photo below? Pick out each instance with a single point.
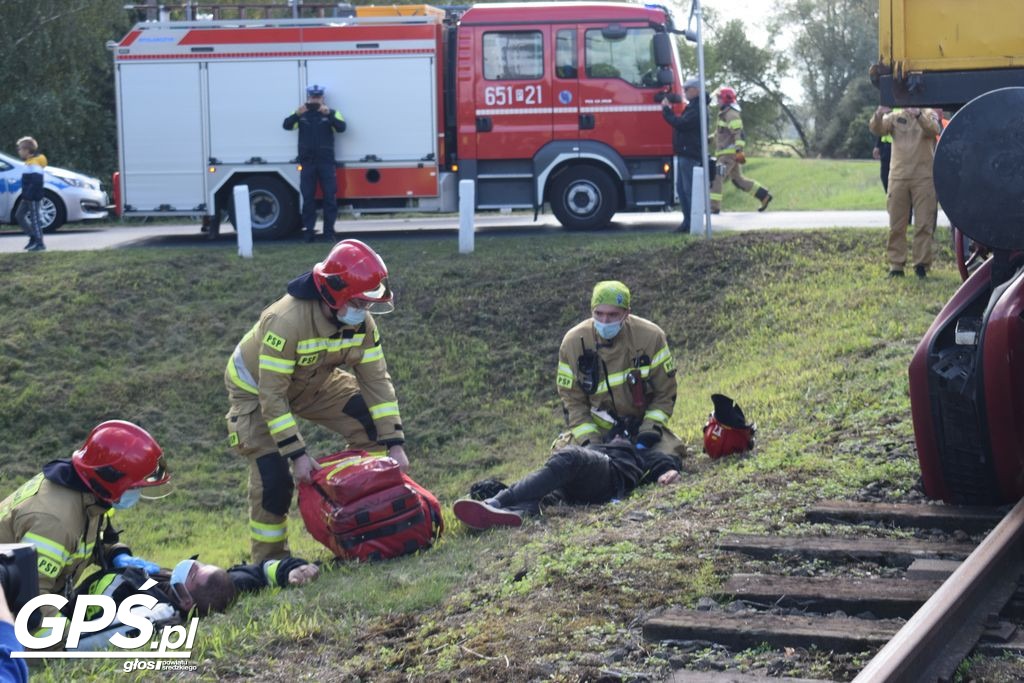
(810, 185)
(802, 328)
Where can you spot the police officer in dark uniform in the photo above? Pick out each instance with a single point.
(317, 124)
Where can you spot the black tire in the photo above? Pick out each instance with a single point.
(584, 197)
(273, 206)
(52, 209)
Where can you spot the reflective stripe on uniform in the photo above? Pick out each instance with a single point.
(614, 379)
(240, 374)
(372, 354)
(268, 533)
(384, 410)
(270, 571)
(658, 416)
(565, 376)
(661, 357)
(275, 364)
(716, 196)
(584, 429)
(325, 344)
(48, 547)
(735, 124)
(280, 424)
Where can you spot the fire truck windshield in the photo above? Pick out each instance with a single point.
(630, 59)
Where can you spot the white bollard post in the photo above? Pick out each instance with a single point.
(243, 221)
(467, 207)
(697, 198)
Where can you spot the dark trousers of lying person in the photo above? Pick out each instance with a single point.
(574, 474)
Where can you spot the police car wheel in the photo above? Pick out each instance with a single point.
(583, 197)
(51, 211)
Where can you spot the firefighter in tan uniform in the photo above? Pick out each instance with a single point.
(289, 365)
(64, 511)
(729, 144)
(616, 376)
(913, 134)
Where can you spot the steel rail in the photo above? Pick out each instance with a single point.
(946, 628)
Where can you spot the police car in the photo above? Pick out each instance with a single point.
(69, 196)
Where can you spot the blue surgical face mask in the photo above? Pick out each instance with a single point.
(351, 316)
(607, 330)
(127, 499)
(180, 572)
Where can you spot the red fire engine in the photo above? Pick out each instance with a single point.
(538, 103)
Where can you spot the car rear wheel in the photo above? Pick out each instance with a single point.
(273, 208)
(51, 211)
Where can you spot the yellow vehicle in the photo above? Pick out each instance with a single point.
(944, 53)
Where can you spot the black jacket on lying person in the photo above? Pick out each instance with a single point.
(122, 583)
(588, 474)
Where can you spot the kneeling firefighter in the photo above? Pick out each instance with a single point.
(289, 365)
(616, 376)
(65, 510)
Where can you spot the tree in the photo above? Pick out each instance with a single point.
(836, 42)
(58, 81)
(755, 73)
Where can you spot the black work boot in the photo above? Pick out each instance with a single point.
(920, 271)
(895, 272)
(765, 196)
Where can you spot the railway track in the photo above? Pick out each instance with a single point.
(937, 602)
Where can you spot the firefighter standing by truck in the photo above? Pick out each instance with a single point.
(616, 376)
(911, 186)
(289, 365)
(65, 510)
(317, 123)
(729, 144)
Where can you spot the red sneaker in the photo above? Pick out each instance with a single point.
(479, 515)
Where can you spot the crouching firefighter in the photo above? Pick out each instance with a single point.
(616, 376)
(65, 510)
(290, 365)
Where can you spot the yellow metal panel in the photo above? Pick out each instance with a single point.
(399, 11)
(885, 31)
(946, 35)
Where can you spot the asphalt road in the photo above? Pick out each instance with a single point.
(81, 237)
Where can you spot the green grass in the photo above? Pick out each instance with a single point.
(802, 328)
(810, 185)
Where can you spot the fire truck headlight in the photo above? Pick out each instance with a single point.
(455, 168)
(299, 167)
(666, 168)
(213, 169)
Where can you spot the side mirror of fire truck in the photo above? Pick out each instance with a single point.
(665, 76)
(663, 49)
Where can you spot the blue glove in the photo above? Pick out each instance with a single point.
(125, 560)
(640, 446)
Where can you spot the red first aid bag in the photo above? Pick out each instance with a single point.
(364, 507)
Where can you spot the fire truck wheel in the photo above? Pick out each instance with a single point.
(273, 207)
(583, 197)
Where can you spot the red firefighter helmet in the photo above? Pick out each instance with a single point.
(118, 456)
(353, 272)
(726, 96)
(726, 430)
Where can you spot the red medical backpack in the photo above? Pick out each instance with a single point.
(364, 507)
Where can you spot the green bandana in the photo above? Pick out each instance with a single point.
(610, 292)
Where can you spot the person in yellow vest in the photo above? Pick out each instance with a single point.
(290, 365)
(616, 376)
(911, 186)
(729, 145)
(64, 511)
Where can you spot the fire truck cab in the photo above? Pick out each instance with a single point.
(555, 103)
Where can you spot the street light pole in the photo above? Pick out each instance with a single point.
(698, 36)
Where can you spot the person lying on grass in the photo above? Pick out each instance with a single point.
(574, 474)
